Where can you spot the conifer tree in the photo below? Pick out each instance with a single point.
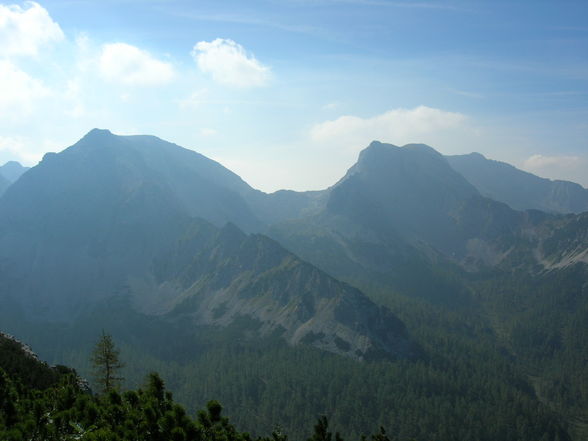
(106, 364)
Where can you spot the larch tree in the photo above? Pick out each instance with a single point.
(106, 364)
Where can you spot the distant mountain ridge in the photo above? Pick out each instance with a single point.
(519, 189)
(141, 232)
(98, 219)
(216, 276)
(107, 197)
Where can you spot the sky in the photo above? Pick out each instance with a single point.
(286, 93)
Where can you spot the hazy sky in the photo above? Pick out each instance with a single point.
(287, 92)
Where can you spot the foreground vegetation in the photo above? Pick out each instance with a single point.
(464, 390)
(44, 403)
(65, 411)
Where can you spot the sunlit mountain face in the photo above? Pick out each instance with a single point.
(374, 213)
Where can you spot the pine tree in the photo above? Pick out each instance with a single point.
(106, 364)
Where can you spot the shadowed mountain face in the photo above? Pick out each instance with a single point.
(76, 225)
(409, 190)
(402, 204)
(113, 216)
(402, 217)
(4, 184)
(84, 221)
(519, 189)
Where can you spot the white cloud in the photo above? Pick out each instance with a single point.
(126, 64)
(535, 162)
(398, 126)
(18, 91)
(571, 168)
(229, 63)
(24, 31)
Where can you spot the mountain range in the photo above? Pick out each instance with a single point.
(119, 216)
(483, 251)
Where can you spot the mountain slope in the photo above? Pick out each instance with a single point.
(102, 219)
(9, 173)
(409, 190)
(18, 361)
(75, 226)
(12, 170)
(403, 220)
(222, 276)
(519, 189)
(111, 223)
(407, 204)
(401, 227)
(4, 184)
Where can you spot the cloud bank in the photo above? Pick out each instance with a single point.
(24, 31)
(126, 64)
(398, 126)
(558, 167)
(228, 63)
(18, 91)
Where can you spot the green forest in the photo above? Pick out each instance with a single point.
(52, 403)
(464, 387)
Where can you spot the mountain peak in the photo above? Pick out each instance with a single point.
(12, 164)
(424, 148)
(98, 132)
(383, 157)
(230, 233)
(377, 144)
(375, 151)
(12, 170)
(97, 138)
(378, 151)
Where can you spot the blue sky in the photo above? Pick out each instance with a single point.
(286, 93)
